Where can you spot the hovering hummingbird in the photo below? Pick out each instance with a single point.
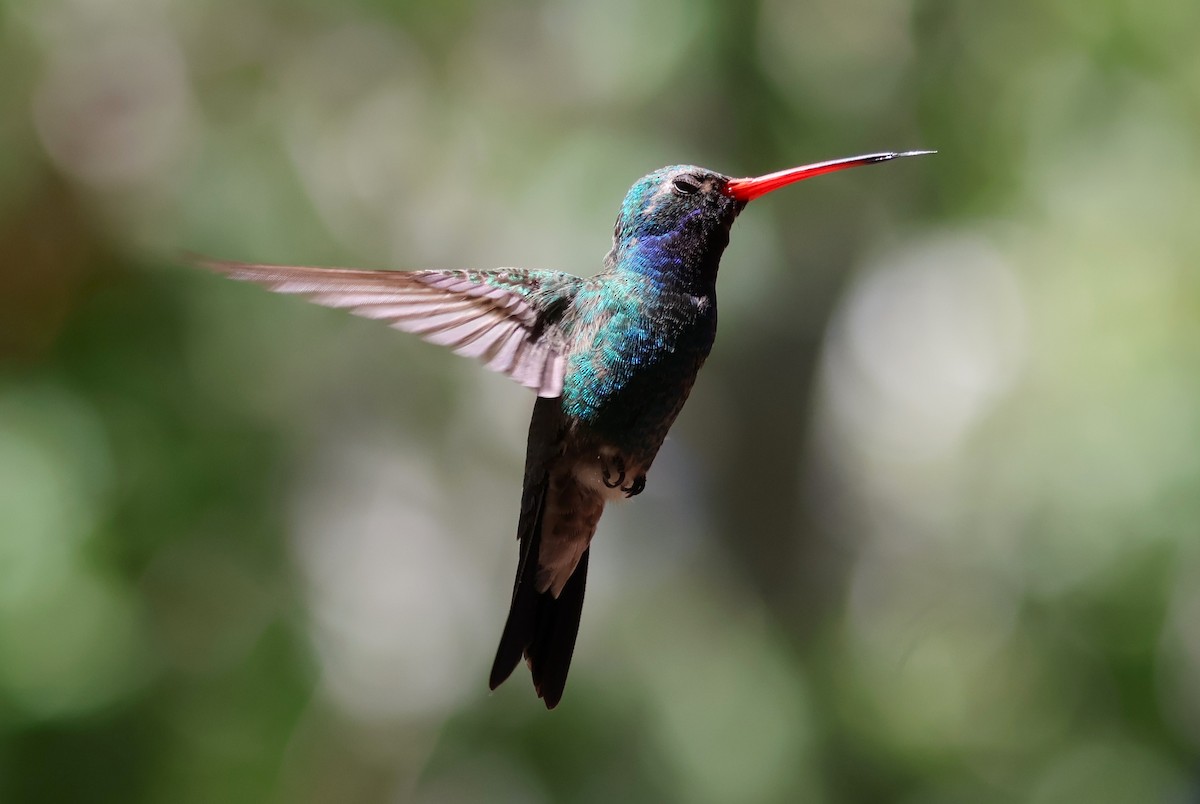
(611, 357)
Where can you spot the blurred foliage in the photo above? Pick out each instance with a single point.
(926, 532)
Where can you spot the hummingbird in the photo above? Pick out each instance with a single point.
(611, 357)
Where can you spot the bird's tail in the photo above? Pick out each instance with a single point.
(540, 626)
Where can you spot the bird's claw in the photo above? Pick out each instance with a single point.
(606, 472)
(613, 476)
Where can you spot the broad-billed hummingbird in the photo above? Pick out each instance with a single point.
(612, 358)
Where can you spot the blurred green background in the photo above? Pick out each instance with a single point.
(925, 533)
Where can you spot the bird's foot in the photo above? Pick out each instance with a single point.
(606, 471)
(636, 487)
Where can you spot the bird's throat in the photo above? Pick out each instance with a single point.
(677, 261)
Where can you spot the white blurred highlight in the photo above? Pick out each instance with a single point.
(923, 345)
(397, 600)
(115, 109)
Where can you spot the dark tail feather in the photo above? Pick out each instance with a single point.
(540, 626)
(554, 637)
(519, 629)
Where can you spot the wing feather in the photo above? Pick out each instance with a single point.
(494, 316)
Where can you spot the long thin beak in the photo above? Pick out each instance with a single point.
(749, 189)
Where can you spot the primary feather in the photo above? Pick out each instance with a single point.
(504, 318)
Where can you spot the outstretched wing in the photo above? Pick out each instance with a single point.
(505, 318)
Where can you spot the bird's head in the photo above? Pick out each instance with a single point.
(677, 207)
(677, 218)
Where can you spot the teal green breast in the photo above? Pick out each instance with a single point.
(634, 361)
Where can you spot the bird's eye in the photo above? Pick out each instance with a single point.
(685, 186)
